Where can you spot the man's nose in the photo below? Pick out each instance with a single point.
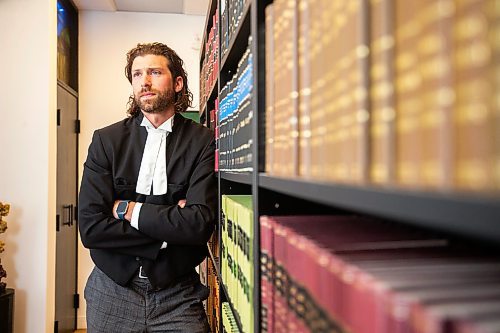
(146, 80)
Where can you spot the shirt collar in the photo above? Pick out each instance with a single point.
(166, 126)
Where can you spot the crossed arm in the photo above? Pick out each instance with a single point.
(131, 205)
(188, 222)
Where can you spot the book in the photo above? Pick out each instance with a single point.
(269, 44)
(382, 108)
(335, 95)
(435, 51)
(319, 23)
(279, 114)
(245, 261)
(475, 116)
(304, 87)
(267, 274)
(240, 274)
(291, 153)
(347, 113)
(408, 85)
(280, 279)
(285, 89)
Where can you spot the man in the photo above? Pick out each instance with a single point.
(147, 205)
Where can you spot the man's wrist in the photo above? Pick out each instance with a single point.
(122, 208)
(130, 209)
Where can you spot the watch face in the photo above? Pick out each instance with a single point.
(122, 207)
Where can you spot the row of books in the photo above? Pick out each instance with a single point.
(229, 324)
(384, 92)
(230, 20)
(213, 282)
(214, 243)
(235, 115)
(360, 275)
(210, 66)
(203, 272)
(213, 301)
(237, 263)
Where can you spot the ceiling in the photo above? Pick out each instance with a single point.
(189, 7)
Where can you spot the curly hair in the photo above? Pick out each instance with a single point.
(183, 98)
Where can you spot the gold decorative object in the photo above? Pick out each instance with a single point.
(4, 211)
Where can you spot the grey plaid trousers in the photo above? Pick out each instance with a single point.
(137, 308)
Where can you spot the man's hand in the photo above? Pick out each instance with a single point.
(115, 205)
(182, 203)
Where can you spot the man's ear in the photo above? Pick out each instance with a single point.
(179, 84)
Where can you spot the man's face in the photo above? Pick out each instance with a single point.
(152, 83)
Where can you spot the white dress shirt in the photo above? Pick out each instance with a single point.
(153, 171)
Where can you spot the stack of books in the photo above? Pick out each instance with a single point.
(235, 118)
(237, 264)
(361, 275)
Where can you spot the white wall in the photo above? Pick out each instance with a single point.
(104, 40)
(28, 38)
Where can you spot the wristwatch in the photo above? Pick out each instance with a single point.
(121, 209)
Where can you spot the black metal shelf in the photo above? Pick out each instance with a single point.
(463, 214)
(238, 43)
(243, 177)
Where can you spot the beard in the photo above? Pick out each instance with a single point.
(163, 100)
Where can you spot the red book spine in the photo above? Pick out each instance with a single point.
(302, 275)
(363, 309)
(217, 134)
(329, 293)
(280, 280)
(266, 280)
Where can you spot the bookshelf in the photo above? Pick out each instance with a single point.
(237, 42)
(243, 178)
(447, 212)
(377, 188)
(208, 94)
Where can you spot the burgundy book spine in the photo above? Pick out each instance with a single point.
(267, 267)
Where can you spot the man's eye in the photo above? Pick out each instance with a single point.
(136, 74)
(156, 72)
